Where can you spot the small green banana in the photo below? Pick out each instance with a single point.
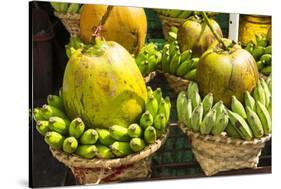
(267, 70)
(119, 133)
(105, 137)
(50, 111)
(180, 104)
(187, 112)
(261, 40)
(208, 122)
(175, 62)
(42, 127)
(260, 64)
(64, 7)
(196, 117)
(264, 117)
(186, 55)
(158, 94)
(73, 8)
(268, 50)
(258, 52)
(104, 152)
(192, 87)
(54, 139)
(249, 101)
(231, 131)
(150, 135)
(70, 145)
(237, 107)
(137, 144)
(90, 136)
(152, 105)
(160, 121)
(254, 123)
(55, 101)
(165, 62)
(134, 130)
(182, 69)
(86, 151)
(269, 108)
(121, 149)
(146, 120)
(190, 75)
(250, 47)
(220, 124)
(267, 92)
(59, 125)
(172, 36)
(76, 128)
(266, 58)
(207, 102)
(149, 91)
(269, 83)
(174, 29)
(258, 93)
(38, 115)
(164, 109)
(195, 99)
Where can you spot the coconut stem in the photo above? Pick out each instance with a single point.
(97, 30)
(212, 30)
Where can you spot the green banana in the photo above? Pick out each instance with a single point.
(56, 6)
(187, 112)
(38, 115)
(64, 7)
(146, 120)
(269, 83)
(195, 99)
(190, 75)
(119, 133)
(164, 109)
(240, 125)
(105, 137)
(165, 62)
(267, 92)
(158, 94)
(260, 64)
(191, 88)
(104, 152)
(269, 108)
(174, 29)
(175, 62)
(55, 101)
(250, 47)
(249, 101)
(237, 107)
(220, 124)
(86, 151)
(268, 50)
(174, 48)
(208, 122)
(266, 58)
(50, 111)
(254, 123)
(121, 149)
(207, 102)
(180, 104)
(70, 145)
(150, 135)
(258, 52)
(160, 121)
(261, 40)
(153, 61)
(258, 93)
(149, 91)
(182, 69)
(152, 105)
(144, 67)
(54, 139)
(90, 136)
(186, 55)
(137, 144)
(172, 36)
(266, 70)
(264, 117)
(184, 14)
(73, 8)
(231, 131)
(168, 102)
(134, 130)
(76, 127)
(196, 117)
(42, 127)
(59, 125)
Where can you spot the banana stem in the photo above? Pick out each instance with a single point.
(212, 30)
(97, 30)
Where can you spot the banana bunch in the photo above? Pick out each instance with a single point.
(175, 62)
(248, 121)
(74, 137)
(262, 52)
(148, 59)
(174, 13)
(71, 8)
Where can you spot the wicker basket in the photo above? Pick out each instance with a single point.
(168, 22)
(95, 171)
(150, 76)
(176, 83)
(222, 153)
(71, 22)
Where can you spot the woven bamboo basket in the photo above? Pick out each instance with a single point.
(222, 153)
(71, 22)
(149, 77)
(176, 83)
(96, 171)
(168, 22)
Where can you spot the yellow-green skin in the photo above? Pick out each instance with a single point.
(226, 73)
(104, 88)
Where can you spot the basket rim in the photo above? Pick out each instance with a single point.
(223, 138)
(67, 15)
(72, 160)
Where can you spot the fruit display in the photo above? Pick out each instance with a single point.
(246, 120)
(70, 8)
(148, 58)
(176, 62)
(125, 25)
(74, 136)
(261, 50)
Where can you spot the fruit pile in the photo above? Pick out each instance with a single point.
(71, 8)
(246, 121)
(75, 137)
(261, 51)
(148, 58)
(175, 62)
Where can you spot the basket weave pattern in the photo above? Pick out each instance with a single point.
(71, 22)
(95, 171)
(168, 22)
(176, 83)
(222, 153)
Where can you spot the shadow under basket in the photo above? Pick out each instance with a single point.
(70, 21)
(222, 153)
(176, 83)
(95, 171)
